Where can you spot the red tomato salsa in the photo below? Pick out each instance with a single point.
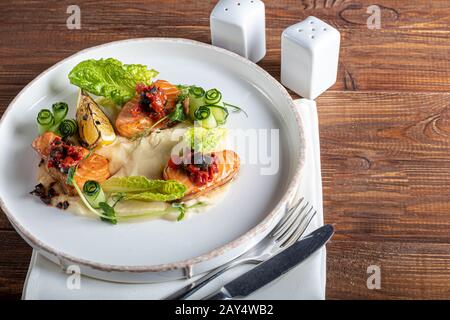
(152, 100)
(63, 156)
(200, 168)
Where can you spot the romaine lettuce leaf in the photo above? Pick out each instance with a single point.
(153, 196)
(143, 189)
(204, 140)
(110, 78)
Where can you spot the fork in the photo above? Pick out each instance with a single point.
(286, 232)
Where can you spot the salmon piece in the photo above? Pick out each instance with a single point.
(95, 167)
(130, 124)
(227, 164)
(43, 143)
(170, 91)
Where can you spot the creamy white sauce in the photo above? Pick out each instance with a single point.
(151, 154)
(147, 157)
(118, 153)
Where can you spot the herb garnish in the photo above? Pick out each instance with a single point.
(182, 208)
(236, 108)
(109, 212)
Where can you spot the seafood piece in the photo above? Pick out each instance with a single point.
(94, 126)
(148, 109)
(59, 157)
(200, 177)
(170, 91)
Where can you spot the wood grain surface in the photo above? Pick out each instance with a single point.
(384, 125)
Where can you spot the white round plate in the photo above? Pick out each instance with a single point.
(156, 250)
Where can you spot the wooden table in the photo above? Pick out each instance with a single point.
(384, 126)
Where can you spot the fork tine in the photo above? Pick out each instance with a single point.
(301, 228)
(296, 205)
(287, 222)
(293, 226)
(288, 214)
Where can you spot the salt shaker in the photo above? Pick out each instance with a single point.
(309, 57)
(240, 26)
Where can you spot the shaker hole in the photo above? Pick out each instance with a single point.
(311, 22)
(311, 36)
(324, 29)
(300, 30)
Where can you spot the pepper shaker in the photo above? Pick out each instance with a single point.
(240, 26)
(309, 57)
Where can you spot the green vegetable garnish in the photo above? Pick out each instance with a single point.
(178, 113)
(110, 78)
(45, 121)
(181, 208)
(196, 99)
(220, 113)
(155, 196)
(60, 110)
(184, 90)
(202, 113)
(196, 92)
(94, 193)
(68, 128)
(213, 96)
(208, 107)
(205, 117)
(51, 120)
(109, 212)
(236, 108)
(204, 140)
(143, 189)
(71, 181)
(70, 175)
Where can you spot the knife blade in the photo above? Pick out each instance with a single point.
(274, 267)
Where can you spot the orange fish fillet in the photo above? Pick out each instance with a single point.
(170, 91)
(227, 164)
(95, 167)
(130, 125)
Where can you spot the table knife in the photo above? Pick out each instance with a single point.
(274, 267)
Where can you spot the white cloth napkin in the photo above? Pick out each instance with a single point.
(45, 280)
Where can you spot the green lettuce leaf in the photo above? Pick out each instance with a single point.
(110, 78)
(153, 196)
(143, 189)
(204, 140)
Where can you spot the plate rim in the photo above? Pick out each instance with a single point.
(186, 263)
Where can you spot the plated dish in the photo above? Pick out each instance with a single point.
(148, 249)
(137, 148)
